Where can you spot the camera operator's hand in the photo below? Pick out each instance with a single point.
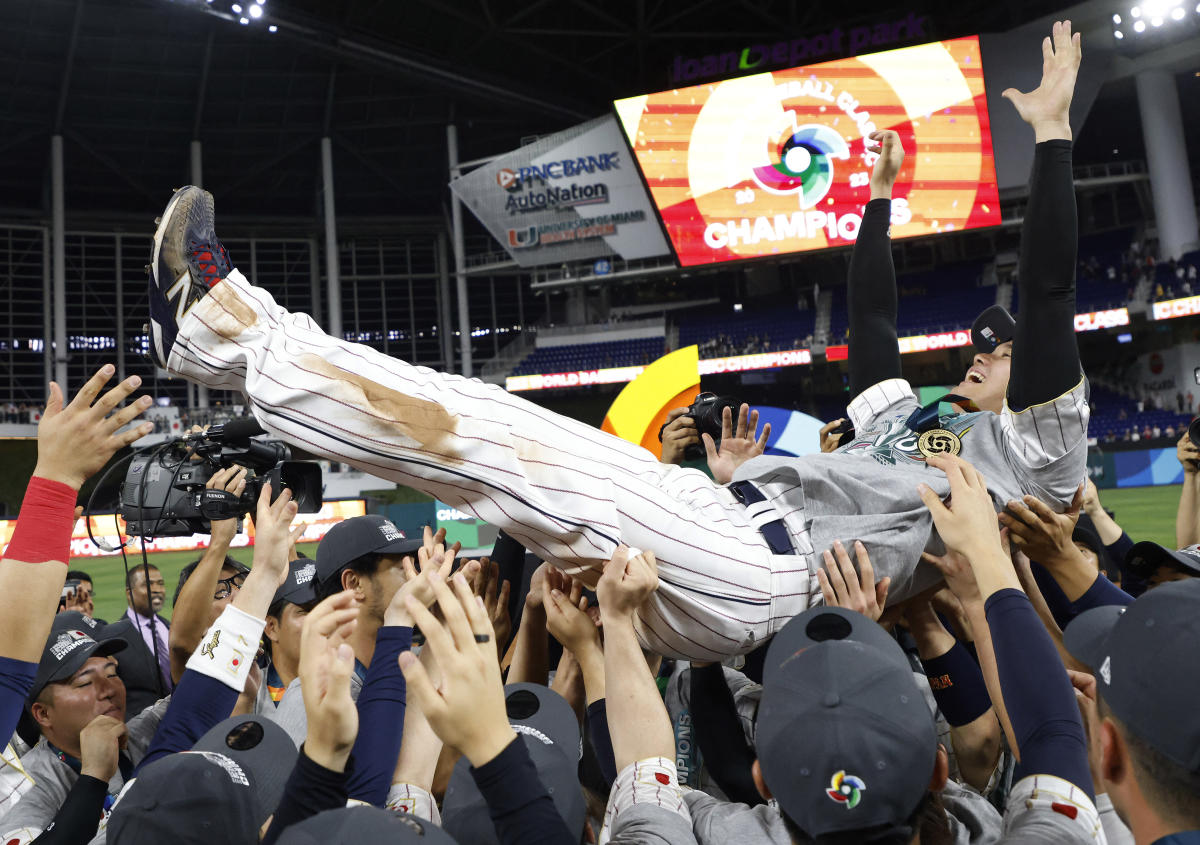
(76, 440)
(222, 531)
(678, 435)
(830, 440)
(736, 447)
(1188, 454)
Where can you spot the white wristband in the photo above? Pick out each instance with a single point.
(229, 647)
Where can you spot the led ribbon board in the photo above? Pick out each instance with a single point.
(775, 163)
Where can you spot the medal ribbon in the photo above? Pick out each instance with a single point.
(927, 418)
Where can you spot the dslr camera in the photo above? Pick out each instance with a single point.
(707, 410)
(163, 494)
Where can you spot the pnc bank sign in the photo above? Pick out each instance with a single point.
(795, 52)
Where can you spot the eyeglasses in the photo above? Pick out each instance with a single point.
(226, 586)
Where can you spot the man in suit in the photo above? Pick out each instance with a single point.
(145, 666)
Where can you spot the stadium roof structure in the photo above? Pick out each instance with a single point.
(130, 83)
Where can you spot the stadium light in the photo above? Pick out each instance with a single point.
(1117, 34)
(243, 21)
(1139, 26)
(237, 9)
(256, 11)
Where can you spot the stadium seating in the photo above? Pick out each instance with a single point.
(591, 356)
(776, 329)
(1114, 414)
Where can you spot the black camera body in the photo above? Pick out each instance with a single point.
(707, 411)
(164, 492)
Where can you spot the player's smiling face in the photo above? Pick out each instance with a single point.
(986, 381)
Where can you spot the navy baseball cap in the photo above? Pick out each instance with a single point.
(992, 328)
(300, 587)
(1146, 665)
(1145, 558)
(74, 639)
(358, 536)
(223, 790)
(353, 825)
(550, 730)
(844, 737)
(1085, 532)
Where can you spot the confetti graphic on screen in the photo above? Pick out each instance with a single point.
(776, 163)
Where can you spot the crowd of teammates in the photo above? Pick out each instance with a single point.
(1033, 680)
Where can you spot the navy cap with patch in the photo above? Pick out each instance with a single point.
(72, 642)
(992, 328)
(547, 725)
(233, 779)
(1146, 665)
(844, 736)
(1144, 558)
(354, 825)
(300, 587)
(358, 536)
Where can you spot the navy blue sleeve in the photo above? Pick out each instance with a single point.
(958, 685)
(727, 756)
(381, 707)
(79, 816)
(311, 788)
(1056, 599)
(1037, 693)
(1133, 585)
(1102, 592)
(597, 728)
(16, 679)
(871, 301)
(520, 807)
(197, 704)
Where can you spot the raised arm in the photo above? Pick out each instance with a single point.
(74, 441)
(1045, 361)
(191, 613)
(871, 286)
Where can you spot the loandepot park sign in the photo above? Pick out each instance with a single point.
(794, 52)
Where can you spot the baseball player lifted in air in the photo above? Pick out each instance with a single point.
(737, 558)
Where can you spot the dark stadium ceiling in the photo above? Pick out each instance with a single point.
(130, 82)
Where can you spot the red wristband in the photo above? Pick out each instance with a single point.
(45, 523)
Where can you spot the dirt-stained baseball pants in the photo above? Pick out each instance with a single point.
(569, 492)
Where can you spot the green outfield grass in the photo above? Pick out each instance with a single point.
(108, 575)
(1147, 513)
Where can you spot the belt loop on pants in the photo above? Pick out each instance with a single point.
(774, 532)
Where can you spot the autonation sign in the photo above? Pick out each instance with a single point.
(569, 196)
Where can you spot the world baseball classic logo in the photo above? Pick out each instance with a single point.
(846, 789)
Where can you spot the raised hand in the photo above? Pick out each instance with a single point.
(626, 583)
(1047, 108)
(679, 433)
(467, 709)
(326, 663)
(738, 446)
(829, 440)
(1041, 533)
(568, 620)
(843, 587)
(272, 534)
(495, 595)
(886, 144)
(1188, 454)
(419, 585)
(433, 545)
(968, 526)
(75, 440)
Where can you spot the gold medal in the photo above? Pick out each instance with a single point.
(939, 441)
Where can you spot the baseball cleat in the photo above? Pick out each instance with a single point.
(187, 261)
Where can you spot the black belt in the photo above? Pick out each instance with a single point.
(774, 532)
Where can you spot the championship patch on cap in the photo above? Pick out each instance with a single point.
(306, 573)
(67, 642)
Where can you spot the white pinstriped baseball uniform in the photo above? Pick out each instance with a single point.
(569, 492)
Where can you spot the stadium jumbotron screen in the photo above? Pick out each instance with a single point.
(776, 163)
